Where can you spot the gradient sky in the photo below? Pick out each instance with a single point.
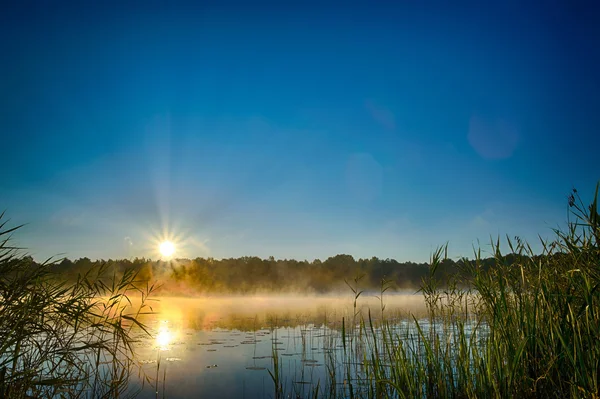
(294, 131)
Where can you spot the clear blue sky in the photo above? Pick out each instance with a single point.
(294, 131)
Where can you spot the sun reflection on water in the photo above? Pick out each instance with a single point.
(164, 337)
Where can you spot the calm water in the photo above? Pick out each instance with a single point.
(224, 346)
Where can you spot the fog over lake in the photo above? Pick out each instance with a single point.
(223, 345)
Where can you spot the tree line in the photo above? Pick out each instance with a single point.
(252, 274)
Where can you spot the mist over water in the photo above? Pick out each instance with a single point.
(223, 345)
(207, 312)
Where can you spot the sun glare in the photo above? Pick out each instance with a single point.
(163, 339)
(166, 248)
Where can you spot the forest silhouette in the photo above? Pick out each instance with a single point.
(252, 274)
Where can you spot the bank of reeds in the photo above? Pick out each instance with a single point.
(526, 327)
(60, 339)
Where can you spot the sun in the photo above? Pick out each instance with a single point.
(166, 248)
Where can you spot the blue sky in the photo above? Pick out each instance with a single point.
(294, 131)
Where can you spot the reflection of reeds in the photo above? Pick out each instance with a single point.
(64, 339)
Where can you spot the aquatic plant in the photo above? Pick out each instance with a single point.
(526, 326)
(64, 339)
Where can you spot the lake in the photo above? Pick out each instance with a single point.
(231, 346)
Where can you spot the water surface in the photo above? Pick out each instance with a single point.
(224, 346)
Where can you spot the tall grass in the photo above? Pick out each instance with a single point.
(526, 327)
(61, 339)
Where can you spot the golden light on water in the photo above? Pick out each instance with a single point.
(164, 338)
(166, 249)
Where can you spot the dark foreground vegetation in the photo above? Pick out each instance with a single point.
(525, 325)
(64, 339)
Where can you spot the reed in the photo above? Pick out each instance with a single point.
(60, 339)
(527, 326)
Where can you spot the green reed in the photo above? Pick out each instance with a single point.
(65, 339)
(526, 326)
